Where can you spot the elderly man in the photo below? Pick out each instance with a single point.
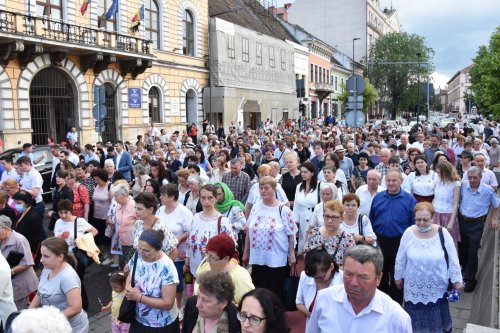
(367, 192)
(494, 154)
(358, 306)
(476, 200)
(346, 165)
(352, 154)
(391, 214)
(383, 167)
(237, 181)
(488, 177)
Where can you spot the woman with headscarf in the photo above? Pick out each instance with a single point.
(228, 206)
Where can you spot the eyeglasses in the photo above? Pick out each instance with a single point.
(253, 320)
(331, 217)
(212, 258)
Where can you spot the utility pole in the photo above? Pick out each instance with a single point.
(418, 88)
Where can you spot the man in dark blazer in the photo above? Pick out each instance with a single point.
(123, 161)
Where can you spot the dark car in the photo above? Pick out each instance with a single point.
(44, 166)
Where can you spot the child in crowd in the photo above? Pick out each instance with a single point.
(117, 282)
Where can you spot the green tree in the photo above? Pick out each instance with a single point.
(394, 68)
(485, 77)
(370, 96)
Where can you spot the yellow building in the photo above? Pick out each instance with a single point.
(53, 57)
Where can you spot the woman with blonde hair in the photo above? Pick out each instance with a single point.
(447, 198)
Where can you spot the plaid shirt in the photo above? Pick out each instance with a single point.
(382, 169)
(239, 185)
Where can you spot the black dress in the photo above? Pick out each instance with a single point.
(289, 184)
(57, 195)
(30, 226)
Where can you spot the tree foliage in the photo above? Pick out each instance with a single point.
(485, 77)
(370, 96)
(395, 83)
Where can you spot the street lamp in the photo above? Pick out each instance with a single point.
(418, 87)
(353, 40)
(210, 55)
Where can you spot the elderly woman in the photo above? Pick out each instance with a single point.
(24, 279)
(423, 272)
(260, 310)
(331, 236)
(320, 272)
(124, 221)
(59, 284)
(102, 202)
(212, 310)
(178, 218)
(29, 223)
(4, 208)
(328, 191)
(11, 187)
(192, 198)
(140, 178)
(155, 282)
(223, 257)
(307, 196)
(206, 224)
(113, 174)
(254, 195)
(355, 223)
(65, 228)
(494, 154)
(146, 205)
(422, 181)
(480, 148)
(270, 241)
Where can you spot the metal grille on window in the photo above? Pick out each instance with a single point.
(110, 129)
(154, 105)
(51, 105)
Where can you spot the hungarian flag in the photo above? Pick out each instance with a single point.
(139, 16)
(84, 7)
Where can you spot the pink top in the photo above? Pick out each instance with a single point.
(101, 202)
(125, 219)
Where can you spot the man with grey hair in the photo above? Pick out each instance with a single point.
(383, 167)
(367, 192)
(237, 181)
(476, 200)
(358, 304)
(488, 177)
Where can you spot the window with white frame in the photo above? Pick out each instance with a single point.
(283, 59)
(230, 47)
(272, 60)
(245, 50)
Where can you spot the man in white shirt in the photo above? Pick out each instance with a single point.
(32, 182)
(9, 170)
(367, 192)
(488, 176)
(420, 142)
(280, 153)
(357, 305)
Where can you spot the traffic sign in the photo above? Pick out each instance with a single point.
(358, 105)
(99, 111)
(356, 83)
(99, 94)
(355, 118)
(359, 98)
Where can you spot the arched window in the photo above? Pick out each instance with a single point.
(154, 105)
(52, 8)
(102, 10)
(152, 22)
(188, 36)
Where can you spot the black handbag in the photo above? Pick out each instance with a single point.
(441, 238)
(127, 309)
(81, 256)
(290, 287)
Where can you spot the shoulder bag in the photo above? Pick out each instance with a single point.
(81, 256)
(441, 238)
(127, 308)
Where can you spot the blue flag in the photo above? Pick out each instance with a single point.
(112, 10)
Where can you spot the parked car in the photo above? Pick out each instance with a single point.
(44, 166)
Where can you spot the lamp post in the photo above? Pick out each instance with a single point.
(418, 88)
(210, 55)
(353, 40)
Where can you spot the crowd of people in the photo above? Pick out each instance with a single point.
(382, 221)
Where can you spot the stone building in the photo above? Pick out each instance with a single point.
(252, 74)
(54, 55)
(457, 90)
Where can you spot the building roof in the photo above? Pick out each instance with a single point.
(462, 71)
(252, 15)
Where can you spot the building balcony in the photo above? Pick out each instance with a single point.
(25, 36)
(323, 87)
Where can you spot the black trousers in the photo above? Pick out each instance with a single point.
(470, 234)
(80, 271)
(271, 278)
(389, 247)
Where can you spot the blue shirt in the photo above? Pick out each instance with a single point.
(477, 204)
(392, 214)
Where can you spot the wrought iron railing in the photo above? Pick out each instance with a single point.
(57, 30)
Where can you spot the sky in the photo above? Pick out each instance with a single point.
(454, 29)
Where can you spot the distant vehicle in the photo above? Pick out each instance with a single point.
(44, 166)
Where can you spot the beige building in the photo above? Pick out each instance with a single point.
(53, 58)
(458, 88)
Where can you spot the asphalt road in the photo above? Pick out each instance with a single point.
(96, 281)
